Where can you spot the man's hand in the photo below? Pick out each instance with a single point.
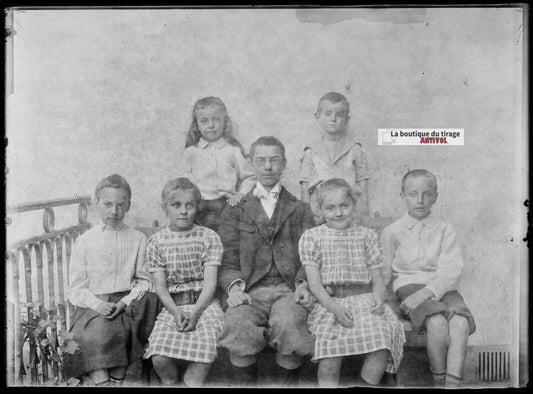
(303, 296)
(234, 200)
(238, 297)
(415, 299)
(119, 307)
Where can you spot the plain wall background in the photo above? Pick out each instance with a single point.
(104, 91)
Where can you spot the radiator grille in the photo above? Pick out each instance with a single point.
(494, 366)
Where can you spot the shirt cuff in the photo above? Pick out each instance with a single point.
(242, 285)
(93, 304)
(134, 295)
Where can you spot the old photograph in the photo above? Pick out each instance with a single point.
(267, 196)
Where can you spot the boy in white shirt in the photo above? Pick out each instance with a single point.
(426, 263)
(110, 287)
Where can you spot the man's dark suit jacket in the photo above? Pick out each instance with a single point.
(253, 242)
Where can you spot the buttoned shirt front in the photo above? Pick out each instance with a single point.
(423, 252)
(268, 199)
(218, 168)
(104, 262)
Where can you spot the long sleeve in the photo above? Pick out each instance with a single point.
(308, 222)
(142, 281)
(187, 164)
(360, 162)
(450, 264)
(78, 289)
(306, 166)
(229, 234)
(245, 174)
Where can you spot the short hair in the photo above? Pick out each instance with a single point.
(180, 183)
(419, 172)
(334, 184)
(333, 97)
(268, 141)
(114, 180)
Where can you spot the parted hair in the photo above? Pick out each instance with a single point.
(334, 184)
(419, 172)
(267, 141)
(194, 134)
(179, 183)
(116, 181)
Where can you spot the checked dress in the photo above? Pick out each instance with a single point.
(183, 255)
(346, 257)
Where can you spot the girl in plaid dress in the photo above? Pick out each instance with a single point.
(343, 266)
(184, 260)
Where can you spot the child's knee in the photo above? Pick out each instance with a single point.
(459, 327)
(291, 361)
(377, 359)
(437, 325)
(330, 365)
(160, 362)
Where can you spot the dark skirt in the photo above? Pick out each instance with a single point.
(209, 212)
(113, 343)
(450, 304)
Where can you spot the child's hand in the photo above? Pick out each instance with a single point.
(303, 296)
(105, 308)
(343, 315)
(234, 200)
(191, 322)
(119, 308)
(379, 305)
(181, 318)
(415, 299)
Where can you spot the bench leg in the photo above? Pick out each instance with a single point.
(146, 370)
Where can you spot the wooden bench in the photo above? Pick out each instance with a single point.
(221, 372)
(37, 273)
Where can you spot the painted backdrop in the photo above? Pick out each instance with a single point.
(101, 91)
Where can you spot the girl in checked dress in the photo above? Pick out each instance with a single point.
(343, 266)
(184, 260)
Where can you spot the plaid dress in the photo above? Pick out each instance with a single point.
(183, 255)
(346, 257)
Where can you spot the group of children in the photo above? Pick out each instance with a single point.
(158, 297)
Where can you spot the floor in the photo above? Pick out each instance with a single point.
(413, 373)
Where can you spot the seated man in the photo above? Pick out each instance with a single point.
(261, 273)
